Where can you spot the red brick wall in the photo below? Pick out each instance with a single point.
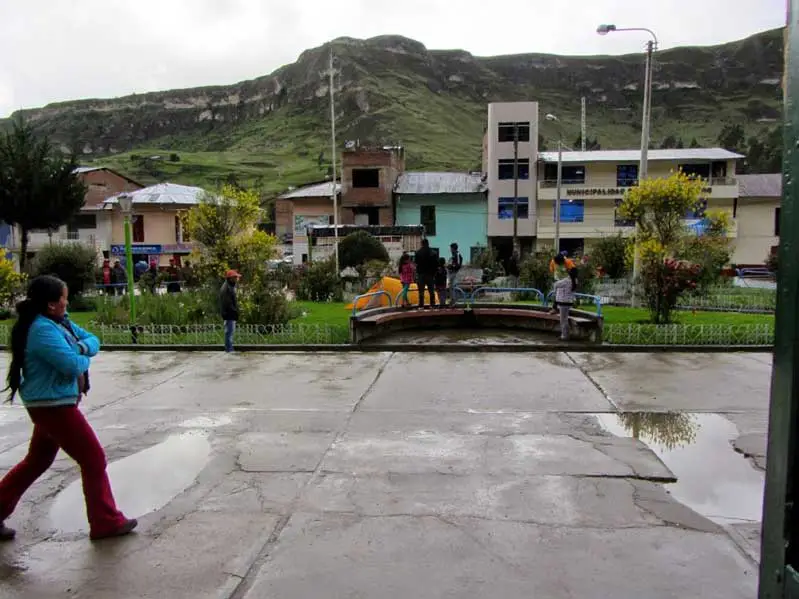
(284, 215)
(390, 163)
(102, 184)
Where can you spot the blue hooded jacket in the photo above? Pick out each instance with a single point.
(54, 360)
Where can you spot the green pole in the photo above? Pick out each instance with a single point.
(129, 261)
(779, 559)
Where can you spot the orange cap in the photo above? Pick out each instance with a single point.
(232, 274)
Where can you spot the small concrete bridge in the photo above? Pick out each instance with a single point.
(384, 318)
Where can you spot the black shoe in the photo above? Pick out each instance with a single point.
(123, 530)
(6, 533)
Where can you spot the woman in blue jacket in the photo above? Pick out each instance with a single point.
(49, 369)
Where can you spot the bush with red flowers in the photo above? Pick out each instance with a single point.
(663, 281)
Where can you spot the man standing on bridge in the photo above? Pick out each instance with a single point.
(426, 266)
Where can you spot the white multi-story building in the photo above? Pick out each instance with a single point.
(511, 135)
(593, 185)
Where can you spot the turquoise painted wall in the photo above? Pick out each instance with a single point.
(462, 218)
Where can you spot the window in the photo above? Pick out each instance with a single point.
(138, 228)
(364, 216)
(626, 175)
(697, 170)
(569, 174)
(427, 217)
(507, 131)
(506, 168)
(777, 222)
(82, 221)
(571, 211)
(719, 169)
(505, 208)
(365, 177)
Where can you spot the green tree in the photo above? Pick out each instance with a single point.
(11, 282)
(73, 263)
(225, 226)
(359, 248)
(38, 187)
(610, 254)
(658, 207)
(732, 138)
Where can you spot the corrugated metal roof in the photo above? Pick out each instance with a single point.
(760, 186)
(318, 190)
(434, 183)
(163, 194)
(633, 156)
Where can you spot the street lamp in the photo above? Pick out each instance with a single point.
(554, 119)
(126, 204)
(651, 46)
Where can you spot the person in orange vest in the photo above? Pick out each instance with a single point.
(559, 267)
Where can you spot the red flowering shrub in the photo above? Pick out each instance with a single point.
(663, 281)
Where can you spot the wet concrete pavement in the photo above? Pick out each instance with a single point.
(407, 475)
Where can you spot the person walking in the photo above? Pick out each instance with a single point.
(407, 272)
(426, 266)
(564, 298)
(50, 359)
(229, 306)
(453, 266)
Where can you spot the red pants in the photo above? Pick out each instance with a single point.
(66, 428)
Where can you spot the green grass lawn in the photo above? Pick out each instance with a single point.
(335, 313)
(622, 315)
(328, 323)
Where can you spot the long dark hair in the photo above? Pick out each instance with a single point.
(573, 276)
(41, 291)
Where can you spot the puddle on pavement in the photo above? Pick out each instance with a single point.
(466, 337)
(142, 483)
(712, 479)
(206, 422)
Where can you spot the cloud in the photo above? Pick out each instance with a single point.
(104, 48)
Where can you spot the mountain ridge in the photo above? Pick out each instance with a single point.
(273, 130)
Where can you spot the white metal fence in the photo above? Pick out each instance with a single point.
(213, 335)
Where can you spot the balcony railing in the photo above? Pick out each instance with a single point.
(622, 183)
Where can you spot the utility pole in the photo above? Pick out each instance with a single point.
(516, 248)
(643, 168)
(582, 123)
(557, 194)
(334, 192)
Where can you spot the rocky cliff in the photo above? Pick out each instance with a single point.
(393, 89)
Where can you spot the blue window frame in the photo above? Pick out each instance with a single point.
(571, 211)
(626, 175)
(505, 170)
(505, 208)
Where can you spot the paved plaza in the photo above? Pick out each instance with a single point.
(397, 475)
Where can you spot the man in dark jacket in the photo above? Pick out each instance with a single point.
(229, 306)
(426, 267)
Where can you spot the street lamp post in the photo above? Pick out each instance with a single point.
(643, 169)
(126, 204)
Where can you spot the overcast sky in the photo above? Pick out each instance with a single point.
(53, 50)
